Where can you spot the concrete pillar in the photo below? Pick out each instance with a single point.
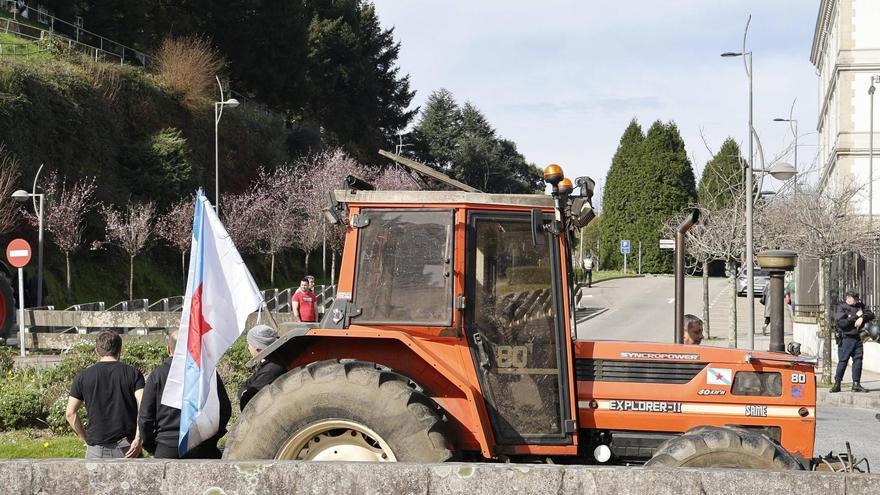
(777, 263)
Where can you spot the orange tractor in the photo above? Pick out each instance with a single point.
(452, 337)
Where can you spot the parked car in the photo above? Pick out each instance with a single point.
(762, 278)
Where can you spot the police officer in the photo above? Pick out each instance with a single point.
(851, 316)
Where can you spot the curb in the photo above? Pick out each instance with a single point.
(847, 399)
(611, 278)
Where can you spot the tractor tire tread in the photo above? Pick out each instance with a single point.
(413, 425)
(712, 446)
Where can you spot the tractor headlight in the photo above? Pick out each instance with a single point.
(756, 383)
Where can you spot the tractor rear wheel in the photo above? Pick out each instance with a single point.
(7, 306)
(341, 410)
(711, 446)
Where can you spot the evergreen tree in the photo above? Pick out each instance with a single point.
(670, 187)
(436, 132)
(650, 180)
(722, 175)
(620, 196)
(356, 90)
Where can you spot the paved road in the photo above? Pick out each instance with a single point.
(836, 425)
(643, 309)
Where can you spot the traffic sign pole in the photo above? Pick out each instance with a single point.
(624, 250)
(21, 341)
(18, 254)
(640, 257)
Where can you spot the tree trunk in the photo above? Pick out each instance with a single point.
(706, 332)
(307, 261)
(130, 278)
(183, 267)
(827, 291)
(272, 270)
(67, 263)
(731, 333)
(333, 268)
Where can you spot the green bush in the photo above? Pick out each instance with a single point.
(38, 397)
(21, 400)
(233, 371)
(7, 359)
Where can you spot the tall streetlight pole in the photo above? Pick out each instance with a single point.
(874, 79)
(749, 258)
(218, 112)
(21, 196)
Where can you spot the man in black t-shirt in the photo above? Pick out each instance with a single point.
(159, 425)
(112, 393)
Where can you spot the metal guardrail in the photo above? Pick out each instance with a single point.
(168, 304)
(92, 306)
(131, 305)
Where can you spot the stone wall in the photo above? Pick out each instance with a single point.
(220, 477)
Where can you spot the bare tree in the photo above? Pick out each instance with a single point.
(819, 224)
(65, 215)
(175, 227)
(241, 217)
(719, 235)
(318, 175)
(395, 179)
(130, 230)
(277, 209)
(9, 175)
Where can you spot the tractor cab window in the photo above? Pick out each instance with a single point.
(404, 267)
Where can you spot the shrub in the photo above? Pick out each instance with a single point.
(188, 66)
(144, 355)
(169, 156)
(55, 418)
(232, 369)
(7, 360)
(21, 400)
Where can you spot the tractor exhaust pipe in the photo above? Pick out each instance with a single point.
(683, 227)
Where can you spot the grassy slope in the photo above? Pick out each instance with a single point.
(92, 119)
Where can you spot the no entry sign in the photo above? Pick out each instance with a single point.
(18, 253)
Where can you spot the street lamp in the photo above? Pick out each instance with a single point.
(749, 259)
(874, 79)
(794, 130)
(21, 196)
(218, 112)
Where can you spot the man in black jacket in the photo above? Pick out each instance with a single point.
(851, 316)
(160, 425)
(259, 338)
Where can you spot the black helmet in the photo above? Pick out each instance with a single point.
(852, 292)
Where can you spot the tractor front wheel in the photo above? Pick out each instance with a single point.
(715, 447)
(341, 410)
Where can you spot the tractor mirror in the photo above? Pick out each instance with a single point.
(331, 211)
(581, 212)
(537, 227)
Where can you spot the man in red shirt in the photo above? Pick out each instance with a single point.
(303, 302)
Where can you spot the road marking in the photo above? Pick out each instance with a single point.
(670, 300)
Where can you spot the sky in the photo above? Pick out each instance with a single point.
(563, 78)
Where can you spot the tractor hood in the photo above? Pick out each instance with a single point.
(649, 351)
